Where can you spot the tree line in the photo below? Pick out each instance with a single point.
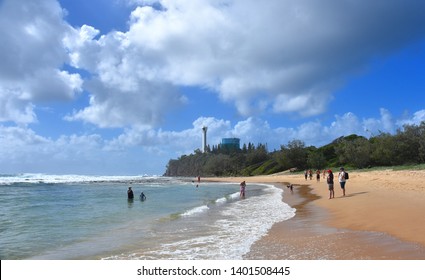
(406, 146)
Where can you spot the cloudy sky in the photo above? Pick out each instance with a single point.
(119, 87)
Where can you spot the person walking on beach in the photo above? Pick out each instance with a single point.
(130, 193)
(342, 180)
(330, 181)
(242, 192)
(318, 175)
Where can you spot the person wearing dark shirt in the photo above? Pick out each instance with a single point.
(130, 193)
(142, 197)
(330, 181)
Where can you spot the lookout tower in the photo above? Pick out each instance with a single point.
(204, 139)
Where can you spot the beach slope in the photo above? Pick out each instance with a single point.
(382, 216)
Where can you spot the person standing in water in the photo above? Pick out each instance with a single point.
(242, 192)
(130, 193)
(142, 197)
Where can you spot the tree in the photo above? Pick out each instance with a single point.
(421, 149)
(406, 146)
(382, 152)
(354, 152)
(295, 154)
(217, 165)
(316, 159)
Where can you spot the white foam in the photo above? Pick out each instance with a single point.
(229, 198)
(245, 221)
(221, 201)
(71, 178)
(196, 210)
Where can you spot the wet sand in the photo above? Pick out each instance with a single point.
(379, 218)
(306, 237)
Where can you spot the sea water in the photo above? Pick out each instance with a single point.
(89, 217)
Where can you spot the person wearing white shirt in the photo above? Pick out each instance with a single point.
(341, 179)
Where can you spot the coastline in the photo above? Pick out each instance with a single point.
(381, 217)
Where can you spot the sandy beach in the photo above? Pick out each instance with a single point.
(382, 216)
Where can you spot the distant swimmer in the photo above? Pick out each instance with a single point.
(130, 193)
(142, 197)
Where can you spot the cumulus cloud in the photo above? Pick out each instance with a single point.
(276, 57)
(143, 149)
(122, 91)
(32, 55)
(257, 130)
(418, 117)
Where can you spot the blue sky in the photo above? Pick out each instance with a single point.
(119, 87)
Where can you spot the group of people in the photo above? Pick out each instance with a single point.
(309, 174)
(130, 195)
(341, 179)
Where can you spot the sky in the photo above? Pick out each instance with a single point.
(120, 87)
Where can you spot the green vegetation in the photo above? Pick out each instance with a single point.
(406, 149)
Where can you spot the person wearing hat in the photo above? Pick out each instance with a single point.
(341, 179)
(330, 181)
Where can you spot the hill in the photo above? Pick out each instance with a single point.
(406, 146)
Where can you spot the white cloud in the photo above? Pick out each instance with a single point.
(143, 149)
(14, 107)
(174, 142)
(417, 118)
(385, 124)
(280, 56)
(31, 56)
(255, 130)
(115, 106)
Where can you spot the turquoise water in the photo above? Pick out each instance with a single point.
(80, 217)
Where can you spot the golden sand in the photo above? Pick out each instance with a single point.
(382, 216)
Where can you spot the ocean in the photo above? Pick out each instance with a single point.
(71, 217)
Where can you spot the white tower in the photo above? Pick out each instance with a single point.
(204, 140)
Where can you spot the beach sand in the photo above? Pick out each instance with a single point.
(382, 216)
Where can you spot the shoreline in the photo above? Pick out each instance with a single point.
(379, 218)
